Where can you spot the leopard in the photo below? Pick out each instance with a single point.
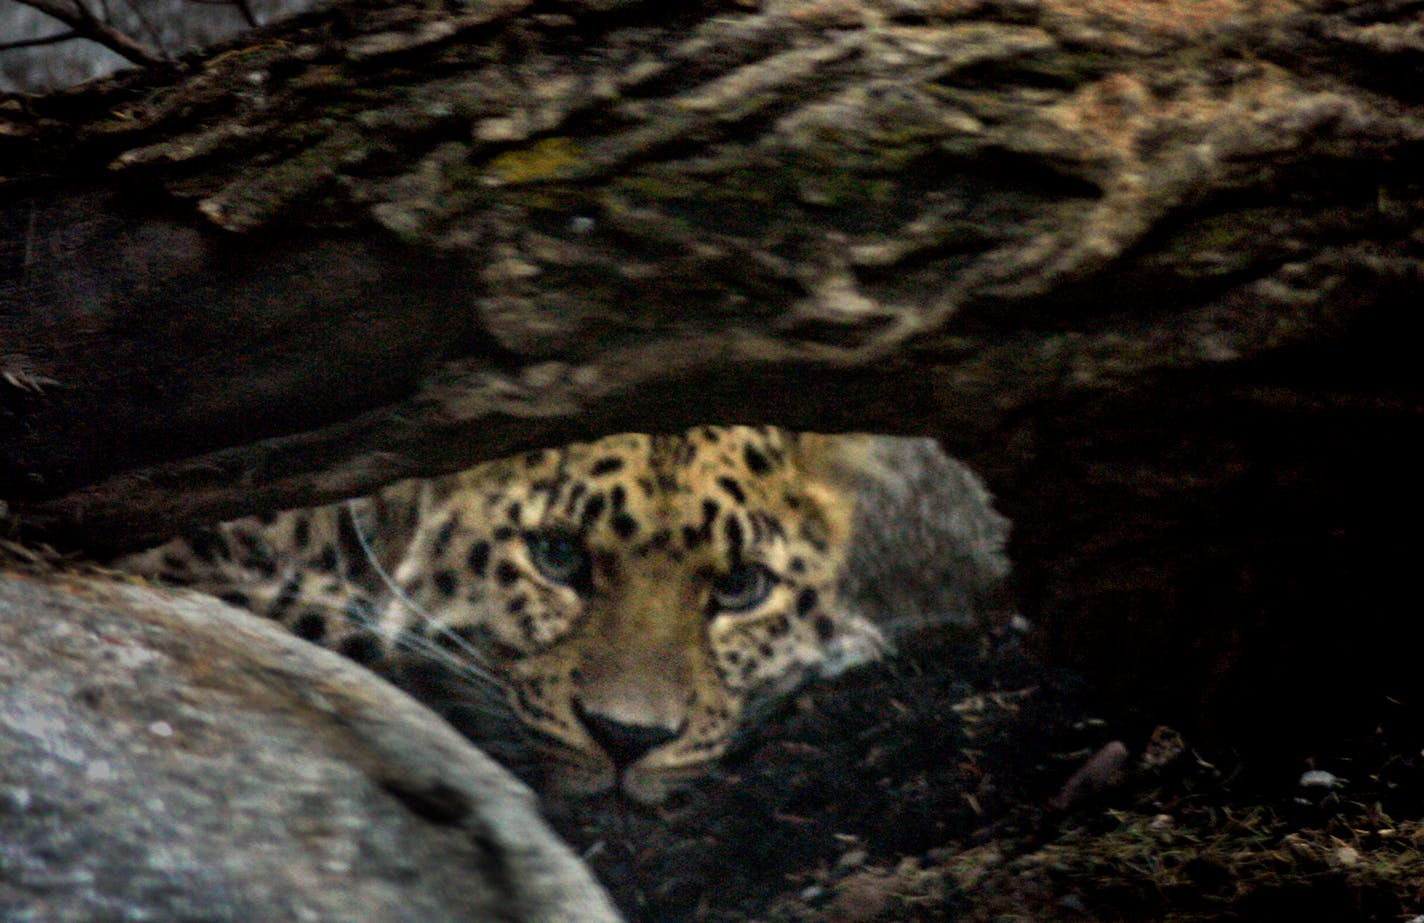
(618, 610)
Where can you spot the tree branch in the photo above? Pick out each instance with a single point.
(84, 24)
(54, 39)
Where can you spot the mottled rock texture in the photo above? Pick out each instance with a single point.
(166, 757)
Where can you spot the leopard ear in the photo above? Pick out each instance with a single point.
(842, 466)
(844, 459)
(831, 468)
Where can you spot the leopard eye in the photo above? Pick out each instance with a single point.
(744, 587)
(559, 556)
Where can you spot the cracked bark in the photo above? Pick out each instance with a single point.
(1153, 269)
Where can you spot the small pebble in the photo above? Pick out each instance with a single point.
(1104, 770)
(1319, 778)
(853, 858)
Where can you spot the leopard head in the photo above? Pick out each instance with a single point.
(637, 596)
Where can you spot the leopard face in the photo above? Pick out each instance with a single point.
(637, 594)
(629, 602)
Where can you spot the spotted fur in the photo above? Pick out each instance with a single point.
(626, 601)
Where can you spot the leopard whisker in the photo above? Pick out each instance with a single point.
(453, 639)
(466, 660)
(478, 664)
(448, 687)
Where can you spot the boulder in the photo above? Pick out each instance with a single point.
(166, 757)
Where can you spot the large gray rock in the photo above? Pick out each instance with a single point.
(165, 757)
(930, 549)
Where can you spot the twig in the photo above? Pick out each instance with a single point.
(85, 25)
(54, 39)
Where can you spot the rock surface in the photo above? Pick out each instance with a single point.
(165, 757)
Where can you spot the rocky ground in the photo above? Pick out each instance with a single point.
(964, 781)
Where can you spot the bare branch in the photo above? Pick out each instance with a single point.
(54, 39)
(146, 26)
(85, 25)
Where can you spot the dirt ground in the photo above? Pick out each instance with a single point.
(964, 781)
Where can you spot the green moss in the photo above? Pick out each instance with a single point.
(547, 159)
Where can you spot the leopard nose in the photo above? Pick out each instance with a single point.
(624, 743)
